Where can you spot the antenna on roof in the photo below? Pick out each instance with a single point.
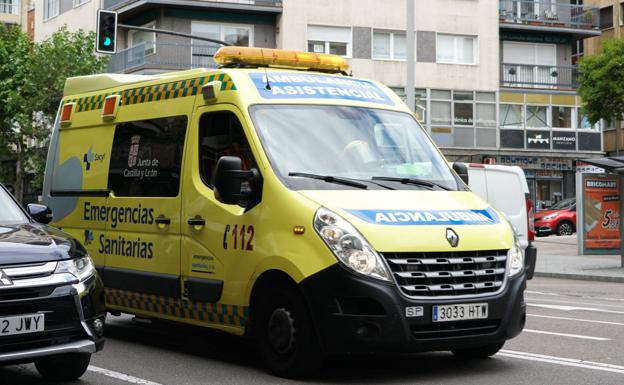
(266, 75)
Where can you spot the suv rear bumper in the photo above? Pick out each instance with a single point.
(357, 315)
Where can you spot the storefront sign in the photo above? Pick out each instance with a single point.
(535, 38)
(536, 163)
(586, 168)
(564, 140)
(547, 174)
(601, 212)
(589, 141)
(538, 140)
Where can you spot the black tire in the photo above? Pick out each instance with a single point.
(565, 228)
(480, 352)
(284, 333)
(63, 367)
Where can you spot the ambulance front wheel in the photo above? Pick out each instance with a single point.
(285, 334)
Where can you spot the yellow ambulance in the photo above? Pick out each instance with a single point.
(279, 198)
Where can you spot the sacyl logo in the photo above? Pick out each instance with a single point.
(452, 237)
(91, 157)
(4, 279)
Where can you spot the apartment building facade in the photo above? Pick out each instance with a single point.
(495, 79)
(612, 26)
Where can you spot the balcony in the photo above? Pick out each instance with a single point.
(537, 76)
(547, 16)
(269, 6)
(149, 57)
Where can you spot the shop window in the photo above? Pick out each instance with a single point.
(511, 115)
(537, 116)
(464, 137)
(561, 117)
(146, 157)
(583, 122)
(463, 108)
(440, 113)
(421, 102)
(486, 115)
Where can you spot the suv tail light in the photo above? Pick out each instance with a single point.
(530, 218)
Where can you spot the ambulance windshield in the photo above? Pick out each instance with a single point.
(10, 213)
(349, 142)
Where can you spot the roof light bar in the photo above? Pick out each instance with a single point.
(280, 58)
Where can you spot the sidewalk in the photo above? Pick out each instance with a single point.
(557, 257)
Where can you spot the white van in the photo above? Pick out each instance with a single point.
(506, 188)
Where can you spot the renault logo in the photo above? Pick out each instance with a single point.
(452, 237)
(4, 279)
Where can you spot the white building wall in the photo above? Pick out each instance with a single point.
(81, 17)
(465, 17)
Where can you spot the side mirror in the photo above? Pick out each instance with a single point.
(228, 180)
(40, 213)
(462, 171)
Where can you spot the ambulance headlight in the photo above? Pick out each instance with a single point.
(348, 245)
(81, 268)
(515, 257)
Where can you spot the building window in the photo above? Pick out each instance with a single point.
(511, 115)
(51, 8)
(331, 40)
(561, 117)
(463, 108)
(456, 49)
(486, 110)
(9, 6)
(420, 109)
(537, 117)
(202, 52)
(606, 17)
(80, 2)
(583, 122)
(148, 39)
(389, 45)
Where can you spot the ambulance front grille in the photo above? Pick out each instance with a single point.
(449, 274)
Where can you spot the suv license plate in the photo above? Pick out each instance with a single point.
(445, 313)
(22, 324)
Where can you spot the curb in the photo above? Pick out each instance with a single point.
(581, 277)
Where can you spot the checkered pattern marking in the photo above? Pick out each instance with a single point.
(232, 315)
(158, 92)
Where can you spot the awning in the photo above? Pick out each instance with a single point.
(614, 164)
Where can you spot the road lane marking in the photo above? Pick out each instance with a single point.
(571, 308)
(574, 296)
(121, 376)
(567, 335)
(577, 319)
(562, 361)
(575, 302)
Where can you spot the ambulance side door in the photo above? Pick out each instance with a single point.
(142, 240)
(219, 240)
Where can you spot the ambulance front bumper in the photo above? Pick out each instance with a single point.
(355, 315)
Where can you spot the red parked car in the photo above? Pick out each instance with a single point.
(560, 219)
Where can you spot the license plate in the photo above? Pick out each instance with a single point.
(445, 313)
(21, 324)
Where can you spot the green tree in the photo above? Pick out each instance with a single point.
(602, 82)
(32, 78)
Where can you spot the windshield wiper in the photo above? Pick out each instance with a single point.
(330, 179)
(419, 182)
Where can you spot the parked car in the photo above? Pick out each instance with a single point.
(51, 298)
(560, 219)
(506, 189)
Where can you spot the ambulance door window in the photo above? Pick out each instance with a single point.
(147, 157)
(221, 134)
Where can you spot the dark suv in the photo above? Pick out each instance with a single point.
(51, 297)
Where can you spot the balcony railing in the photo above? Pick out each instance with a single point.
(537, 76)
(10, 7)
(111, 4)
(162, 56)
(546, 13)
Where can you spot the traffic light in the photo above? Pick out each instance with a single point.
(106, 39)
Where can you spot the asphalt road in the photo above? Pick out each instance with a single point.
(574, 335)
